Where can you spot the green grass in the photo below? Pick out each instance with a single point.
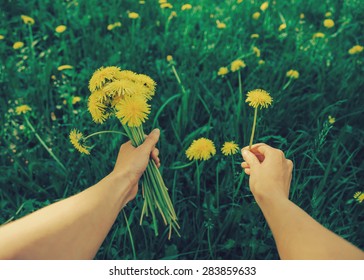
(224, 222)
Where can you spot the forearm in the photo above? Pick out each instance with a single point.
(73, 228)
(299, 236)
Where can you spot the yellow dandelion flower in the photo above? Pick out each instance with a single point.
(166, 6)
(76, 137)
(61, 28)
(133, 15)
(64, 67)
(141, 2)
(229, 148)
(254, 36)
(22, 109)
(223, 71)
(256, 16)
(113, 25)
(329, 23)
(331, 120)
(282, 27)
(172, 15)
(186, 7)
(103, 75)
(27, 19)
(220, 25)
(259, 97)
(162, 1)
(169, 58)
(302, 16)
(237, 65)
(359, 196)
(96, 108)
(356, 49)
(76, 99)
(256, 51)
(132, 110)
(201, 149)
(264, 6)
(18, 45)
(318, 35)
(293, 74)
(239, 1)
(147, 82)
(261, 62)
(125, 87)
(328, 14)
(2, 37)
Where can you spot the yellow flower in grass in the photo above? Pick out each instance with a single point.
(302, 15)
(237, 65)
(61, 28)
(256, 51)
(132, 110)
(145, 81)
(186, 7)
(169, 58)
(201, 149)
(2, 37)
(254, 36)
(331, 120)
(356, 49)
(22, 109)
(282, 27)
(359, 197)
(292, 74)
(27, 19)
(18, 45)
(96, 107)
(76, 137)
(259, 97)
(166, 6)
(329, 23)
(133, 15)
(64, 67)
(229, 148)
(328, 14)
(256, 16)
(318, 35)
(264, 6)
(223, 71)
(104, 75)
(75, 99)
(220, 25)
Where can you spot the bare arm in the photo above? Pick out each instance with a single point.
(297, 235)
(75, 228)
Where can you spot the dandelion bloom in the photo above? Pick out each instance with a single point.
(282, 27)
(141, 2)
(76, 99)
(96, 108)
(239, 1)
(186, 7)
(259, 97)
(302, 16)
(237, 65)
(64, 67)
(256, 15)
(27, 19)
(166, 6)
(356, 49)
(328, 14)
(172, 15)
(318, 35)
(261, 62)
(162, 1)
(331, 120)
(2, 37)
(254, 36)
(201, 149)
(264, 6)
(223, 71)
(114, 25)
(103, 75)
(76, 137)
(229, 148)
(256, 51)
(169, 58)
(61, 28)
(18, 45)
(329, 23)
(220, 25)
(132, 110)
(292, 74)
(22, 109)
(133, 15)
(359, 196)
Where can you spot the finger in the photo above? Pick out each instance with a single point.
(150, 141)
(250, 158)
(245, 165)
(260, 150)
(247, 171)
(155, 153)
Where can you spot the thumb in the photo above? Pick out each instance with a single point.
(250, 158)
(151, 140)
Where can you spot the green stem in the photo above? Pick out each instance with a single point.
(102, 132)
(233, 169)
(209, 242)
(253, 129)
(49, 150)
(198, 178)
(130, 235)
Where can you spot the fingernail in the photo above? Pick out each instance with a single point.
(156, 131)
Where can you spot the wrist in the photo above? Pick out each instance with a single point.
(268, 200)
(120, 186)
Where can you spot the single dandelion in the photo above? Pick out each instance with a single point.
(18, 45)
(356, 49)
(220, 25)
(75, 99)
(162, 1)
(328, 14)
(132, 110)
(331, 120)
(166, 6)
(2, 37)
(201, 149)
(133, 15)
(64, 67)
(302, 15)
(169, 58)
(22, 109)
(103, 75)
(282, 27)
(261, 62)
(256, 51)
(229, 148)
(264, 6)
(141, 2)
(237, 65)
(257, 98)
(76, 137)
(222, 71)
(186, 7)
(359, 196)
(256, 16)
(61, 28)
(172, 15)
(254, 36)
(293, 74)
(113, 25)
(27, 19)
(329, 23)
(318, 35)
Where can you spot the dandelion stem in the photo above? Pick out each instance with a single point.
(49, 150)
(102, 132)
(253, 129)
(130, 235)
(198, 178)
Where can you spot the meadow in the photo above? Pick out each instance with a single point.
(316, 116)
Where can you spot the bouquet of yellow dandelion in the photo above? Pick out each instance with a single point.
(125, 95)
